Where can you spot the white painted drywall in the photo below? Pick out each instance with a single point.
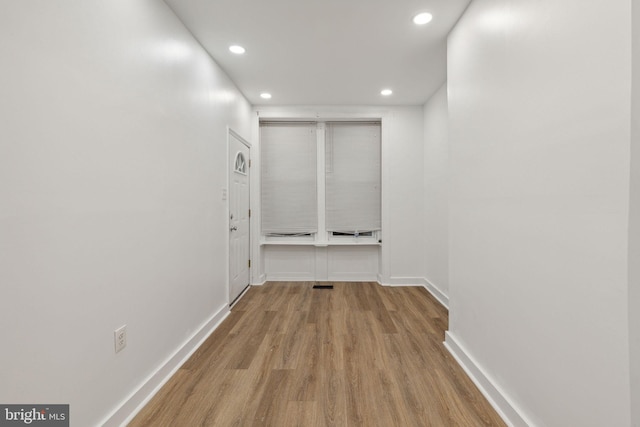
(634, 222)
(403, 203)
(436, 190)
(112, 162)
(539, 112)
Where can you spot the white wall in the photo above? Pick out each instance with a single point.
(436, 191)
(539, 110)
(634, 224)
(403, 204)
(112, 160)
(329, 263)
(402, 252)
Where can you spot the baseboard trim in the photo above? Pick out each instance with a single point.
(496, 397)
(276, 278)
(351, 278)
(130, 407)
(420, 281)
(437, 293)
(404, 281)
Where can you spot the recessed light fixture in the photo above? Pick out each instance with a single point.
(238, 50)
(386, 92)
(265, 95)
(422, 18)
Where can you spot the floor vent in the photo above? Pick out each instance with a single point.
(319, 286)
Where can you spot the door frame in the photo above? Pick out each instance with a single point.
(233, 133)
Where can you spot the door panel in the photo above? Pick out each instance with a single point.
(238, 216)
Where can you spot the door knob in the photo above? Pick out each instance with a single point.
(234, 228)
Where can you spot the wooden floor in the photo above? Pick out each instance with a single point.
(358, 355)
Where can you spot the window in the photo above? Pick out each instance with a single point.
(352, 175)
(240, 164)
(321, 181)
(288, 178)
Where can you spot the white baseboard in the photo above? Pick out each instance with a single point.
(290, 278)
(404, 281)
(130, 407)
(496, 397)
(419, 281)
(353, 277)
(262, 279)
(437, 293)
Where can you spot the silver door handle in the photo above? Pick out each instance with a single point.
(234, 228)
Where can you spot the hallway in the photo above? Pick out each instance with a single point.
(508, 188)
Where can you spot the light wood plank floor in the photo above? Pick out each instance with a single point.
(358, 355)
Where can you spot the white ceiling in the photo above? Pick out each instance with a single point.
(329, 52)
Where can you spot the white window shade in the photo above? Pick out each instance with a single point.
(352, 177)
(288, 172)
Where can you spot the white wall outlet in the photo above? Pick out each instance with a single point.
(224, 194)
(120, 336)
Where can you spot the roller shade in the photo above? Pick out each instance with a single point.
(288, 172)
(352, 176)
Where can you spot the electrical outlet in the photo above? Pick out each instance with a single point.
(120, 337)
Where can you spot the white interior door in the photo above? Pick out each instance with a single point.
(239, 263)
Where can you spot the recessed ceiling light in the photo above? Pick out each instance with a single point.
(422, 18)
(386, 92)
(265, 95)
(238, 50)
